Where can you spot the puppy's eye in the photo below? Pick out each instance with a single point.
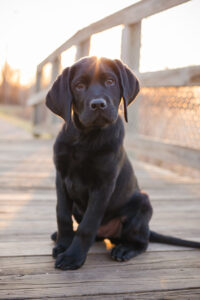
(110, 82)
(80, 86)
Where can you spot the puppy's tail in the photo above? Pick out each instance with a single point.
(164, 239)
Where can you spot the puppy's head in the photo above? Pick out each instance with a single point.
(93, 88)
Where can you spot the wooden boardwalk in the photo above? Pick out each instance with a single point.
(27, 218)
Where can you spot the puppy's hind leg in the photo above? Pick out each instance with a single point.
(135, 232)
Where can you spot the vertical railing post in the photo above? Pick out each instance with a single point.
(83, 49)
(36, 107)
(56, 66)
(130, 55)
(52, 119)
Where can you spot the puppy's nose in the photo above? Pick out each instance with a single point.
(98, 103)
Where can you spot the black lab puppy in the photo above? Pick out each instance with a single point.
(95, 181)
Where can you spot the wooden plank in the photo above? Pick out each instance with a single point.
(171, 222)
(15, 169)
(11, 202)
(180, 294)
(11, 130)
(26, 144)
(163, 224)
(42, 245)
(188, 76)
(21, 165)
(128, 15)
(109, 281)
(162, 150)
(47, 180)
(171, 225)
(148, 185)
(41, 264)
(39, 182)
(24, 195)
(50, 195)
(10, 174)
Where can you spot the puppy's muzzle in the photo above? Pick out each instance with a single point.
(98, 104)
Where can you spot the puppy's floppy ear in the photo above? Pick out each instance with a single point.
(59, 98)
(129, 85)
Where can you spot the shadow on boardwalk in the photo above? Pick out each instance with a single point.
(27, 218)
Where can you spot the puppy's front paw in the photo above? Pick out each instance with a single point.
(61, 246)
(57, 250)
(69, 261)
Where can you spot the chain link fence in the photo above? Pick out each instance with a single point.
(171, 114)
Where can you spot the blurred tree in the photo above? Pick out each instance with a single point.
(11, 92)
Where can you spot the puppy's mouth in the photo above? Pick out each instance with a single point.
(99, 119)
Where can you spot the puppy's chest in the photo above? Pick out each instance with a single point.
(77, 164)
(80, 175)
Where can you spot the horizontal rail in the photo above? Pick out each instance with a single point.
(128, 15)
(187, 76)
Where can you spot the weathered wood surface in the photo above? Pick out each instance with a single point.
(27, 218)
(164, 151)
(187, 76)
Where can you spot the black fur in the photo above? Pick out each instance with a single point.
(95, 181)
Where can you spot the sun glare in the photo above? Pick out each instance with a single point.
(68, 57)
(106, 43)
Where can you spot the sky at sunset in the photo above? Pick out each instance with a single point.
(32, 29)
